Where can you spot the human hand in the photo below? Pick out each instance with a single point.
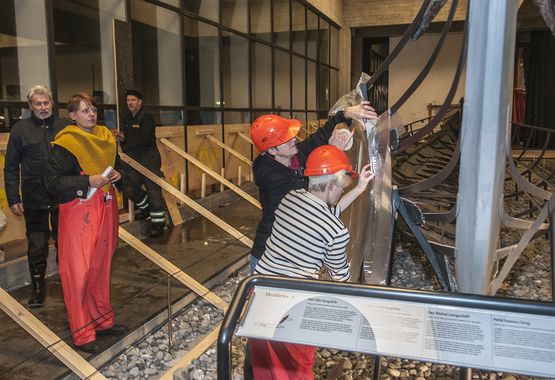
(118, 134)
(114, 176)
(342, 138)
(360, 112)
(98, 180)
(365, 177)
(17, 209)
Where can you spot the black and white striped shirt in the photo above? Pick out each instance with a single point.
(306, 235)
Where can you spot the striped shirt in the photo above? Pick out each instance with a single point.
(306, 235)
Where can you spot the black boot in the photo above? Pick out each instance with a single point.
(39, 291)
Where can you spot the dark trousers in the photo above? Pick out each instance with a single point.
(38, 233)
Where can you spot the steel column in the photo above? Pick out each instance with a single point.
(487, 112)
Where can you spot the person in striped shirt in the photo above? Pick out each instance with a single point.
(307, 235)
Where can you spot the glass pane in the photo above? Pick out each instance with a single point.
(85, 59)
(261, 25)
(23, 56)
(324, 88)
(311, 34)
(281, 23)
(299, 80)
(262, 76)
(234, 14)
(334, 52)
(167, 117)
(324, 41)
(282, 81)
(233, 117)
(334, 87)
(175, 3)
(311, 85)
(202, 65)
(11, 115)
(156, 53)
(209, 9)
(235, 50)
(203, 117)
(298, 29)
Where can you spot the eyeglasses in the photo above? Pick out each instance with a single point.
(44, 104)
(88, 110)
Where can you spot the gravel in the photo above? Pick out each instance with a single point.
(530, 278)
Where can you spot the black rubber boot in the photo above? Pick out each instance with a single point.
(39, 291)
(156, 229)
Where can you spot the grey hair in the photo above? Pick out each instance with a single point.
(319, 183)
(39, 90)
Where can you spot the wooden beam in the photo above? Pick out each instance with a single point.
(188, 201)
(171, 202)
(227, 148)
(198, 350)
(47, 338)
(211, 172)
(244, 137)
(172, 270)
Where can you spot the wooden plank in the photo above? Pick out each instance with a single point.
(198, 350)
(228, 149)
(47, 338)
(188, 201)
(245, 137)
(171, 202)
(534, 153)
(210, 172)
(172, 270)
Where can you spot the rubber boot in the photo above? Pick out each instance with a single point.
(39, 291)
(156, 229)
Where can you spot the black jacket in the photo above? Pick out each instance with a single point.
(275, 180)
(63, 176)
(140, 140)
(28, 149)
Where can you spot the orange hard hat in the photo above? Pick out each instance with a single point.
(268, 131)
(327, 159)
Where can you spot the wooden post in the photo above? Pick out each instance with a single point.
(203, 185)
(239, 175)
(171, 202)
(222, 173)
(182, 185)
(47, 338)
(131, 210)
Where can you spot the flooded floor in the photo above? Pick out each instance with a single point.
(139, 288)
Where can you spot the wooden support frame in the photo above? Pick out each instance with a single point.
(188, 201)
(211, 172)
(47, 338)
(171, 202)
(172, 270)
(198, 350)
(244, 137)
(228, 149)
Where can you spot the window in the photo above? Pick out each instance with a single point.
(202, 63)
(156, 53)
(235, 52)
(262, 76)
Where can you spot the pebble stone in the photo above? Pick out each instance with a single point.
(150, 358)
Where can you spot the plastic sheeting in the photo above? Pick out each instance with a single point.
(370, 220)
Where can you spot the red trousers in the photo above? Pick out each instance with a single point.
(281, 361)
(87, 240)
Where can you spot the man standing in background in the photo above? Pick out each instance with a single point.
(26, 155)
(138, 140)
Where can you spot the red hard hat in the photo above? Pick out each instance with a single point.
(327, 159)
(268, 131)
